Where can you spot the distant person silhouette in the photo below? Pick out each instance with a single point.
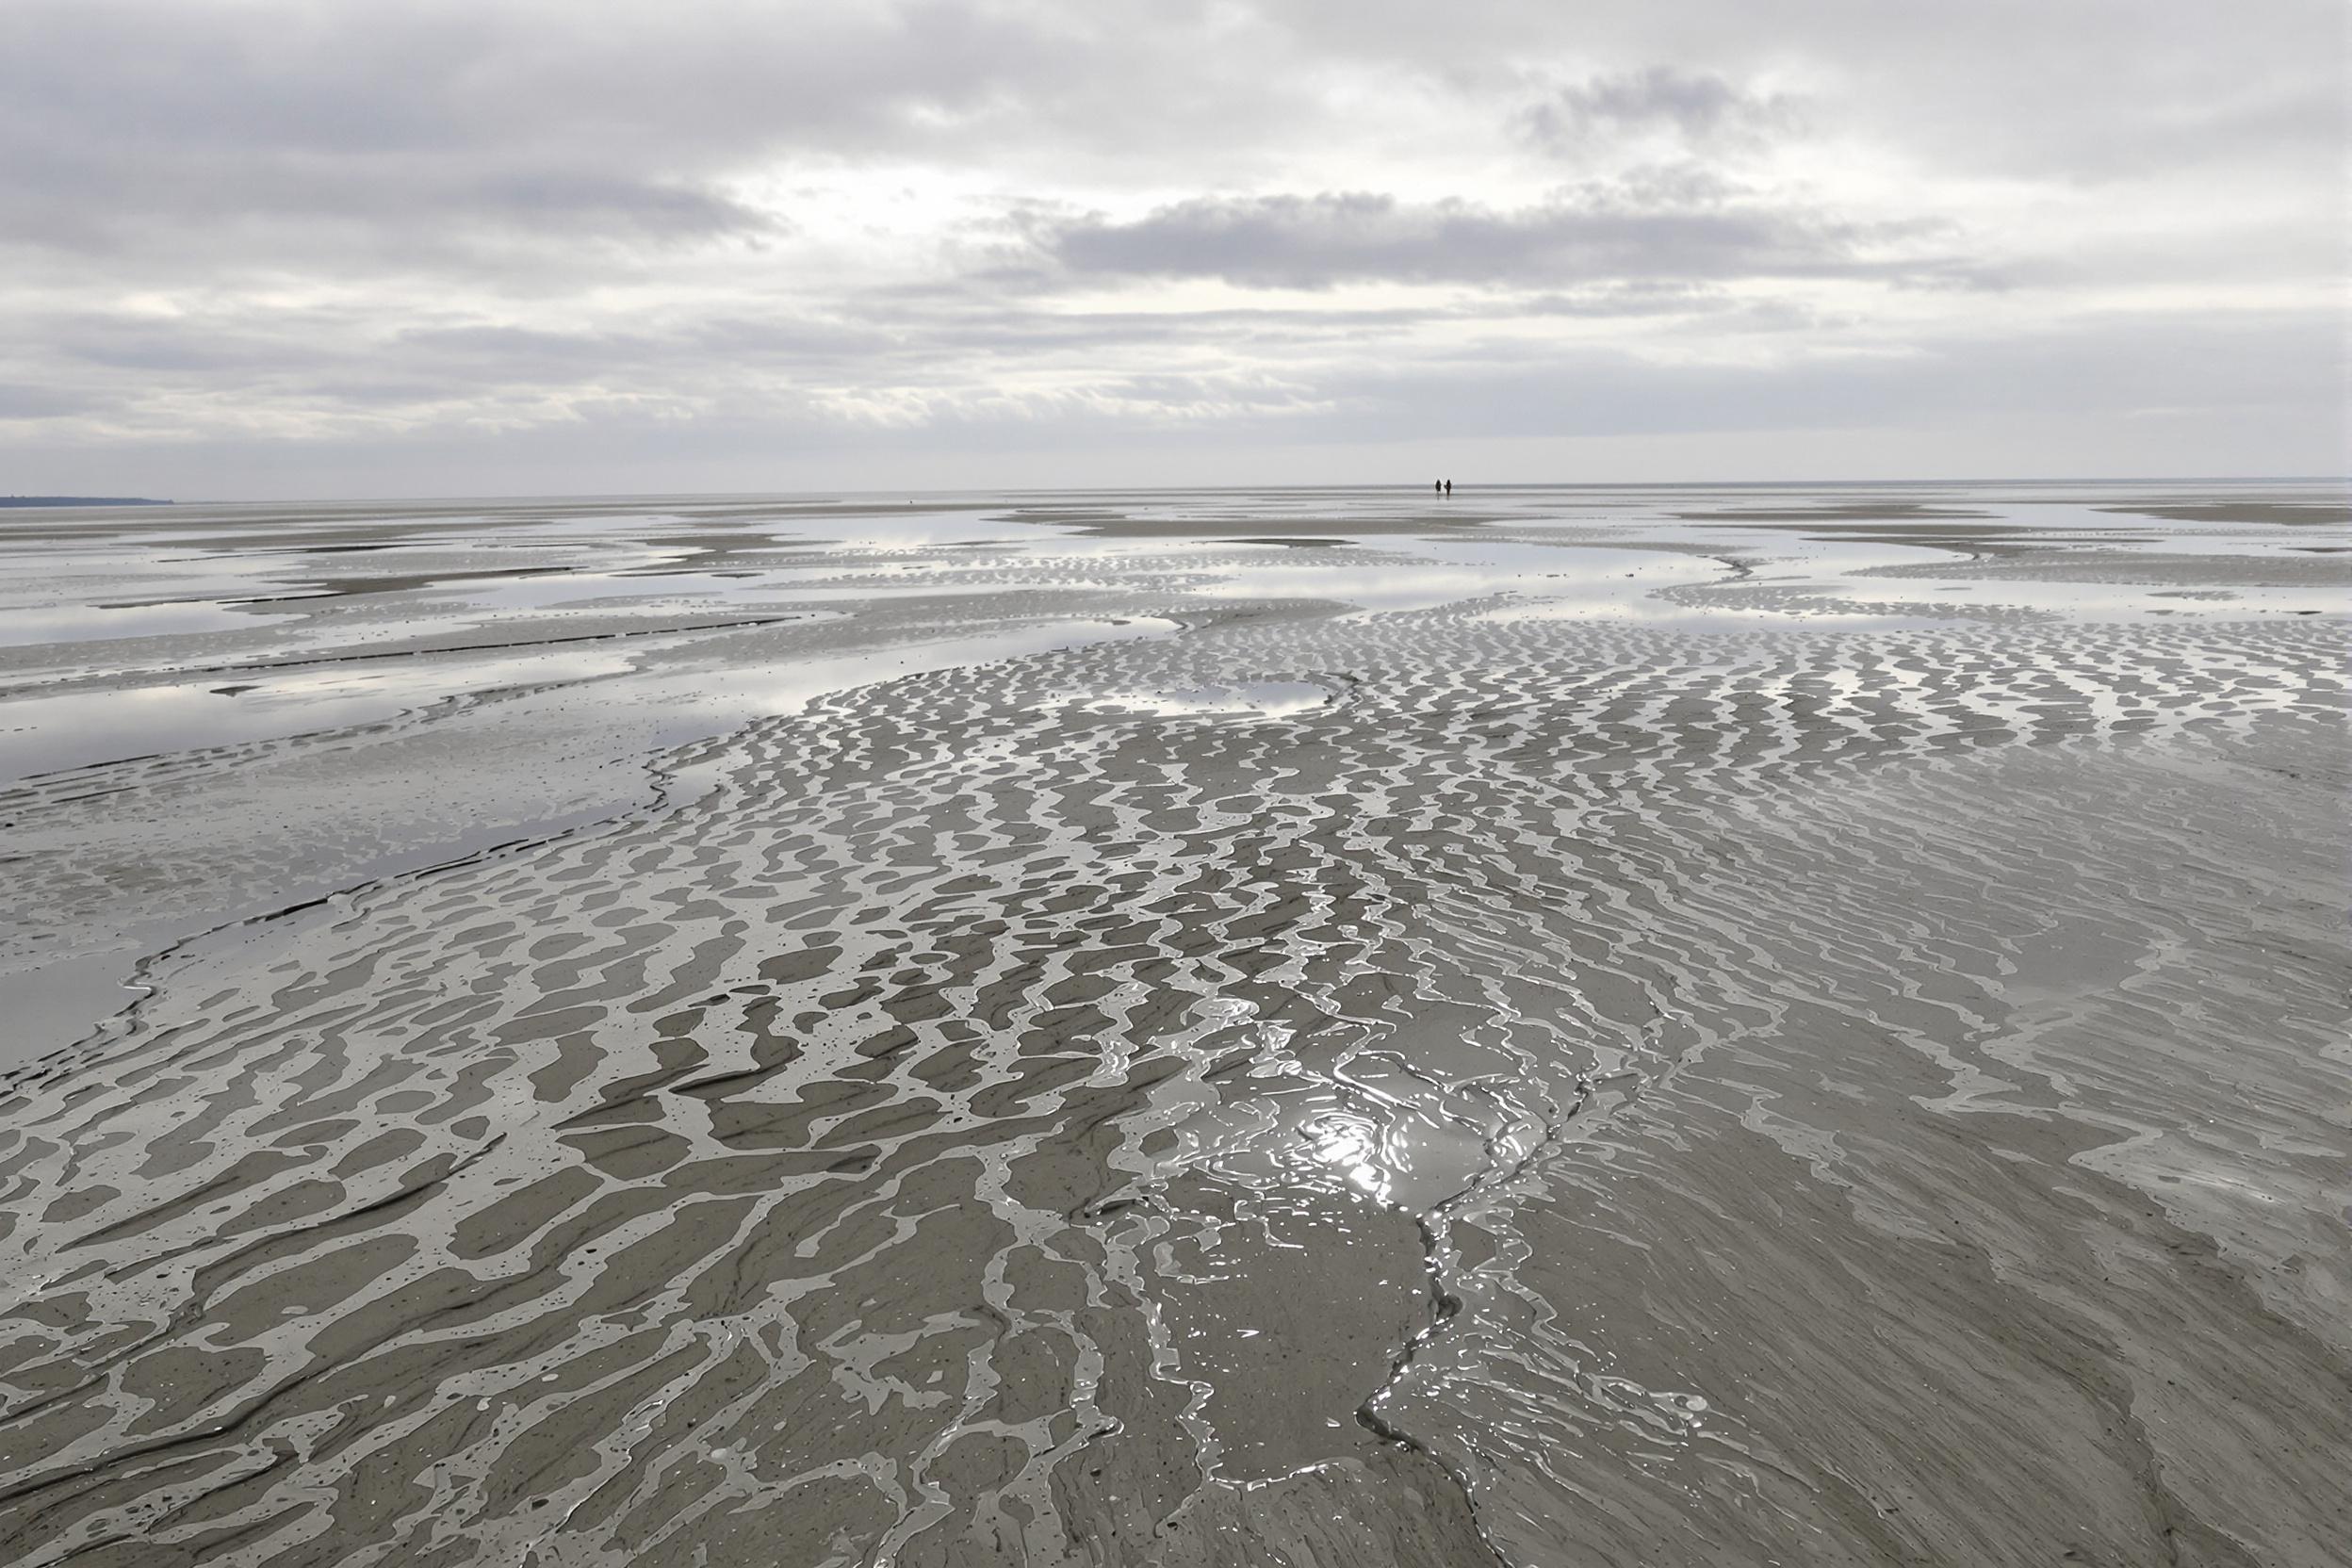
(1439, 488)
(1449, 487)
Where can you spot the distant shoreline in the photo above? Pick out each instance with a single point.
(80, 500)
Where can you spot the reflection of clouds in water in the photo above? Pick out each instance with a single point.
(1386, 575)
(92, 577)
(43, 734)
(788, 688)
(641, 563)
(92, 622)
(1262, 699)
(644, 563)
(1786, 557)
(1420, 575)
(1699, 616)
(2095, 601)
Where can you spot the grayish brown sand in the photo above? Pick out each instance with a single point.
(1644, 1044)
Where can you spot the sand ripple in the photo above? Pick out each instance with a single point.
(1424, 1088)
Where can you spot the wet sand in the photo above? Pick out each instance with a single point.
(791, 1032)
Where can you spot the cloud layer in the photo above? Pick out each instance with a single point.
(287, 246)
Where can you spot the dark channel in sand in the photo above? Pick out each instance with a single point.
(1632, 1026)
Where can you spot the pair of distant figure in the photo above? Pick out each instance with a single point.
(1443, 487)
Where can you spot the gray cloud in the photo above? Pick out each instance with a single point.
(40, 403)
(1695, 106)
(2141, 393)
(2141, 366)
(400, 242)
(381, 138)
(1676, 227)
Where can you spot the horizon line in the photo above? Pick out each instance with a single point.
(96, 501)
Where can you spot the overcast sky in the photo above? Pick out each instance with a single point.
(270, 248)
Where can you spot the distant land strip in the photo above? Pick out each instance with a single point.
(81, 501)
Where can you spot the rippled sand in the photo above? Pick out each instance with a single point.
(1708, 1027)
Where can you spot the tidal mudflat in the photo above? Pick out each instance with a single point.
(1316, 1027)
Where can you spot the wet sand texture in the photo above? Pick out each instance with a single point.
(1579, 1092)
